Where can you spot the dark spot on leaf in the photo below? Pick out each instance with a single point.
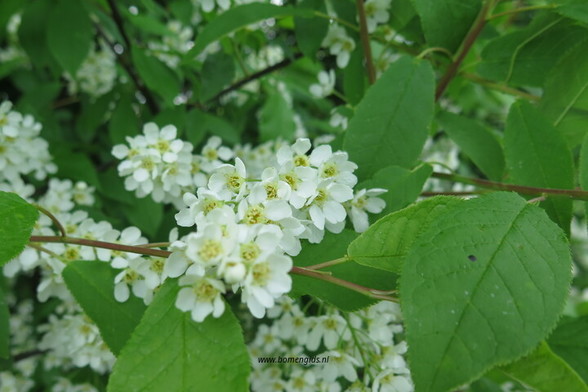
(472, 258)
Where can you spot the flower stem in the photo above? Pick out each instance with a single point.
(330, 263)
(336, 19)
(367, 291)
(54, 219)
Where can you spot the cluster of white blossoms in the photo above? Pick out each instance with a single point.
(250, 216)
(351, 352)
(22, 150)
(172, 46)
(97, 74)
(339, 44)
(71, 339)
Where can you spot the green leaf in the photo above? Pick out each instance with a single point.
(475, 141)
(334, 246)
(525, 57)
(74, 165)
(94, 113)
(170, 352)
(565, 101)
(310, 32)
(544, 371)
(387, 242)
(4, 327)
(276, 118)
(390, 123)
(124, 121)
(446, 22)
(32, 32)
(536, 155)
(69, 34)
(403, 185)
(574, 9)
(92, 285)
(354, 80)
(147, 23)
(218, 71)
(146, 215)
(199, 124)
(17, 218)
(481, 286)
(570, 342)
(156, 75)
(241, 16)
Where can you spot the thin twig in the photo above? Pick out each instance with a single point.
(28, 354)
(367, 291)
(119, 23)
(329, 263)
(44, 250)
(125, 58)
(523, 9)
(463, 193)
(101, 244)
(523, 189)
(365, 41)
(259, 74)
(465, 47)
(55, 221)
(500, 87)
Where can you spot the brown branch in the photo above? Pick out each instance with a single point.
(101, 244)
(259, 74)
(523, 189)
(465, 47)
(365, 41)
(125, 59)
(53, 218)
(28, 354)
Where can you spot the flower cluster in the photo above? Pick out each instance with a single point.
(157, 163)
(22, 151)
(250, 216)
(172, 46)
(97, 74)
(357, 351)
(249, 226)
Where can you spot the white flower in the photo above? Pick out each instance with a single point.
(267, 280)
(335, 166)
(228, 180)
(325, 86)
(387, 381)
(271, 187)
(201, 296)
(376, 11)
(130, 276)
(365, 200)
(198, 206)
(330, 329)
(327, 206)
(339, 44)
(340, 364)
(302, 380)
(213, 154)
